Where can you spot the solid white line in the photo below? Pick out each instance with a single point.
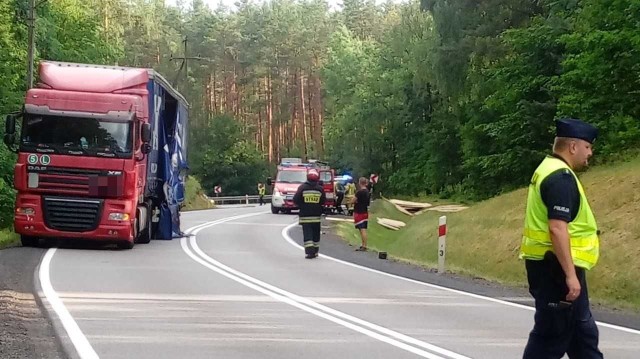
(328, 310)
(80, 342)
(318, 313)
(285, 234)
(309, 305)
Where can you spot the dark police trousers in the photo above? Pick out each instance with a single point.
(559, 329)
(311, 235)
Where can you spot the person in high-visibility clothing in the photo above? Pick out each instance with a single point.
(310, 199)
(261, 192)
(349, 195)
(559, 244)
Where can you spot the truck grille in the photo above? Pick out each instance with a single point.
(72, 214)
(76, 181)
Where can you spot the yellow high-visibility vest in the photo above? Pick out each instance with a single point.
(261, 190)
(350, 189)
(583, 230)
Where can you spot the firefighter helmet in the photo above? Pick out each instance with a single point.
(313, 176)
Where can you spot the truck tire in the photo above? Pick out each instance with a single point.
(274, 210)
(28, 241)
(144, 236)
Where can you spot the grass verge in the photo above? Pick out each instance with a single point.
(195, 197)
(8, 238)
(484, 240)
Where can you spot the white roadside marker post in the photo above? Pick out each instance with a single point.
(442, 235)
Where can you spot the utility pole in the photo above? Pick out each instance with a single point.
(184, 63)
(31, 38)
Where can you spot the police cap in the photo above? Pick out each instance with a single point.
(574, 128)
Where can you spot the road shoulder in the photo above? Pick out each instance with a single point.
(26, 331)
(334, 246)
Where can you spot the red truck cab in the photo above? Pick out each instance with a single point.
(90, 161)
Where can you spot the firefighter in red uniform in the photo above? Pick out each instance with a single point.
(310, 199)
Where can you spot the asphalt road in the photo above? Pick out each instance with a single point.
(240, 287)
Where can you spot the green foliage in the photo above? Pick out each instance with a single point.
(463, 103)
(195, 196)
(601, 78)
(224, 159)
(453, 98)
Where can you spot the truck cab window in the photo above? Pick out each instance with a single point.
(75, 135)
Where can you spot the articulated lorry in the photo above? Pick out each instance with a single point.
(101, 155)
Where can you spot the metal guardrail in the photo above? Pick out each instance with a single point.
(246, 199)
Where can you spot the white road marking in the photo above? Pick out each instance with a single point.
(285, 234)
(79, 340)
(308, 305)
(256, 224)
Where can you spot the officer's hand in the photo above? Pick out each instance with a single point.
(574, 288)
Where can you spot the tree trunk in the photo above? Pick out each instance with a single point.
(294, 109)
(269, 109)
(303, 117)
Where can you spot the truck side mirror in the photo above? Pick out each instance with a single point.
(10, 130)
(145, 133)
(269, 181)
(145, 148)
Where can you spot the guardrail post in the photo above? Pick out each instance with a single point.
(442, 236)
(246, 196)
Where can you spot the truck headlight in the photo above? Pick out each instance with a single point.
(27, 211)
(116, 216)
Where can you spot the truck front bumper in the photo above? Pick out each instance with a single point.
(34, 223)
(283, 201)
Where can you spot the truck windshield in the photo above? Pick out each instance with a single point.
(291, 176)
(77, 135)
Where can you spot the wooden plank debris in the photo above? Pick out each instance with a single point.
(388, 223)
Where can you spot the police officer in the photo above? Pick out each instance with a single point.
(559, 244)
(310, 199)
(261, 191)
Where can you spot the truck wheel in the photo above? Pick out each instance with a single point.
(28, 241)
(144, 236)
(274, 210)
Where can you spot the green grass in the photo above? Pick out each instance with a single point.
(195, 199)
(8, 238)
(484, 240)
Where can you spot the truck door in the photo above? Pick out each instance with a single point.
(327, 177)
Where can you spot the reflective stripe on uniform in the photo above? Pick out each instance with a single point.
(546, 237)
(309, 220)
